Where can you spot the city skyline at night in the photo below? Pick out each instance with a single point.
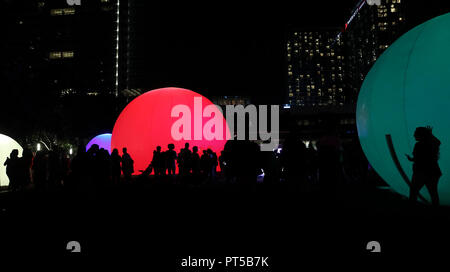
(102, 55)
(224, 135)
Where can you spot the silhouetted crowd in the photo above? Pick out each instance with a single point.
(325, 165)
(190, 163)
(241, 162)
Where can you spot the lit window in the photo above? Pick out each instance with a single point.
(64, 11)
(54, 12)
(55, 55)
(68, 54)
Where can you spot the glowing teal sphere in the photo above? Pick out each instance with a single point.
(408, 87)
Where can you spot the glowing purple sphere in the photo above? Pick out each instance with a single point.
(102, 140)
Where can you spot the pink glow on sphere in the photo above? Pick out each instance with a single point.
(146, 122)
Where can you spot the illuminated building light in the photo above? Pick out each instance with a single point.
(68, 54)
(64, 11)
(55, 55)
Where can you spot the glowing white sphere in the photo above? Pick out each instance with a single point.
(7, 144)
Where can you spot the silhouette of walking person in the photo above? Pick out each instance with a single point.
(127, 165)
(426, 169)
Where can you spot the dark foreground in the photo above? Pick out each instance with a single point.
(161, 223)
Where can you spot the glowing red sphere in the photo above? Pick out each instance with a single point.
(147, 122)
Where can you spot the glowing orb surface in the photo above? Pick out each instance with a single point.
(408, 87)
(7, 144)
(102, 140)
(146, 122)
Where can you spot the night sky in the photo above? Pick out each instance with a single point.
(228, 47)
(236, 48)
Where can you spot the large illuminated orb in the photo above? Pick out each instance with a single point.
(408, 87)
(7, 144)
(146, 122)
(102, 140)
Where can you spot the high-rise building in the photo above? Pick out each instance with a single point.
(72, 44)
(326, 69)
(139, 20)
(373, 29)
(57, 55)
(81, 46)
(315, 68)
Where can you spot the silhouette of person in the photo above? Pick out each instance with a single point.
(205, 164)
(213, 163)
(12, 169)
(225, 165)
(426, 169)
(195, 162)
(171, 156)
(127, 164)
(104, 167)
(115, 166)
(293, 158)
(243, 162)
(40, 170)
(78, 167)
(158, 161)
(54, 168)
(24, 170)
(184, 160)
